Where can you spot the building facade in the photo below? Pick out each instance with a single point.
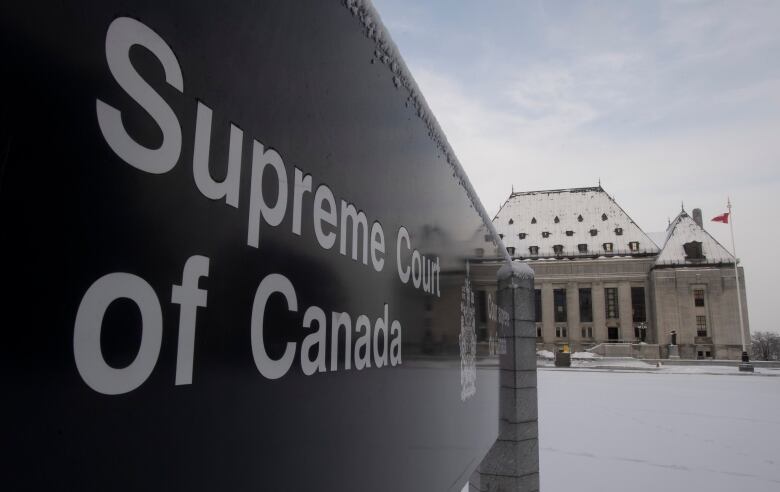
(603, 283)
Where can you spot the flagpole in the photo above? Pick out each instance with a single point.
(745, 365)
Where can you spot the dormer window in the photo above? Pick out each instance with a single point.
(579, 218)
(582, 248)
(534, 250)
(511, 221)
(545, 234)
(693, 250)
(594, 232)
(608, 247)
(619, 231)
(633, 245)
(510, 250)
(533, 220)
(570, 233)
(521, 235)
(558, 249)
(556, 219)
(603, 216)
(501, 236)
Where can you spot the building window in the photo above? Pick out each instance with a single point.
(582, 248)
(560, 331)
(587, 332)
(510, 250)
(570, 233)
(556, 219)
(533, 220)
(482, 306)
(611, 302)
(538, 304)
(586, 306)
(538, 331)
(701, 326)
(618, 231)
(521, 235)
(633, 246)
(501, 236)
(693, 251)
(545, 234)
(558, 249)
(534, 250)
(603, 216)
(594, 232)
(511, 221)
(579, 218)
(638, 304)
(698, 297)
(559, 301)
(608, 247)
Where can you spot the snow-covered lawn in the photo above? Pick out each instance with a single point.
(659, 431)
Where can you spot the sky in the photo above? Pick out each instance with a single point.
(667, 103)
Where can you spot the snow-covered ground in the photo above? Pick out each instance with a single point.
(673, 429)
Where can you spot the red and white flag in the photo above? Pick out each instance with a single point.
(722, 218)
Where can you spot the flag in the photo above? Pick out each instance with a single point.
(722, 218)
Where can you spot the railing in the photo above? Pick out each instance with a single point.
(704, 262)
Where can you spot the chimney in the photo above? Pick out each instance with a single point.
(697, 217)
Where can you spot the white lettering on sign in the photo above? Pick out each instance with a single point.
(123, 33)
(423, 271)
(376, 344)
(190, 298)
(496, 313)
(370, 345)
(90, 363)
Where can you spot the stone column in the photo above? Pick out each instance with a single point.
(512, 464)
(548, 313)
(599, 313)
(573, 314)
(625, 311)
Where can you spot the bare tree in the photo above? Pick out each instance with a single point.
(766, 345)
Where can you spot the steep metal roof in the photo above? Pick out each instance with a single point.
(684, 229)
(578, 211)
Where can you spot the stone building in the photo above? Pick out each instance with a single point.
(602, 282)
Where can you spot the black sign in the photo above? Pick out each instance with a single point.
(234, 249)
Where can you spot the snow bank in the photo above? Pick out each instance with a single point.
(584, 355)
(545, 354)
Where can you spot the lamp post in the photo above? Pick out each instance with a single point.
(642, 331)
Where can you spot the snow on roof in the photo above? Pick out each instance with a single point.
(566, 217)
(683, 230)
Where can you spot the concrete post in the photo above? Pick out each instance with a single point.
(512, 464)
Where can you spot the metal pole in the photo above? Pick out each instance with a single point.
(745, 365)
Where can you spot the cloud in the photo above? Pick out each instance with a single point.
(665, 102)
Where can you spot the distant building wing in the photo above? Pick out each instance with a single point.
(689, 244)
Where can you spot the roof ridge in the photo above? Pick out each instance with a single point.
(559, 190)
